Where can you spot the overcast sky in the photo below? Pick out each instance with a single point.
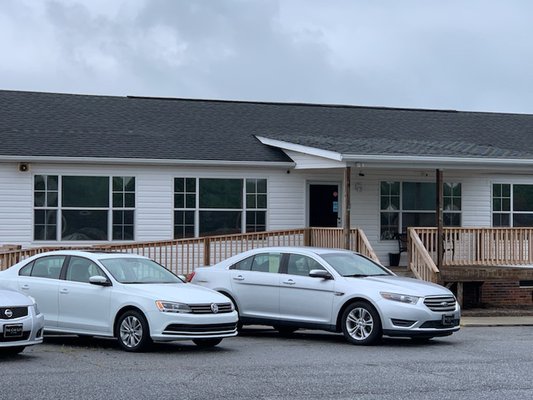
(446, 54)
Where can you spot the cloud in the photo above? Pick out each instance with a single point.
(472, 55)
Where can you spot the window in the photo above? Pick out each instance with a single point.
(81, 269)
(46, 267)
(512, 205)
(405, 204)
(184, 206)
(212, 206)
(73, 208)
(301, 265)
(256, 205)
(266, 262)
(45, 202)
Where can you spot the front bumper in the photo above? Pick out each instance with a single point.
(166, 327)
(32, 331)
(418, 320)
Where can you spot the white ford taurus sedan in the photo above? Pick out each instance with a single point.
(334, 290)
(120, 295)
(21, 322)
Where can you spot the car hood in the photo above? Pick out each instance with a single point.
(402, 285)
(10, 298)
(179, 292)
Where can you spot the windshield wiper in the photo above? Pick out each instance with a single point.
(356, 276)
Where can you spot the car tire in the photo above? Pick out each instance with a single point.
(206, 343)
(11, 351)
(361, 324)
(133, 332)
(285, 330)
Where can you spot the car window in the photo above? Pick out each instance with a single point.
(138, 270)
(243, 265)
(81, 269)
(46, 267)
(299, 264)
(351, 264)
(267, 262)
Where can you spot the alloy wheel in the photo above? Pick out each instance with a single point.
(131, 331)
(360, 323)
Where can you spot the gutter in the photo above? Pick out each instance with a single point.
(146, 161)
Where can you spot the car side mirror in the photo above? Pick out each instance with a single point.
(320, 273)
(99, 280)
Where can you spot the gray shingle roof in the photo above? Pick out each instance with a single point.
(65, 125)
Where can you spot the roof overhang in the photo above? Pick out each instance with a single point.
(380, 161)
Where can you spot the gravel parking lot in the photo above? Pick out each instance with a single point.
(488, 363)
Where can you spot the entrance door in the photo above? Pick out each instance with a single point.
(324, 205)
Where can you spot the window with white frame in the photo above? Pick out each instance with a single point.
(78, 208)
(218, 206)
(405, 204)
(512, 205)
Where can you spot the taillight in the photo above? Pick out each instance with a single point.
(190, 276)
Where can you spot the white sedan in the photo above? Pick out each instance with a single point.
(333, 290)
(21, 322)
(120, 295)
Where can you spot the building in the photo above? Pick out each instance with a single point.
(78, 169)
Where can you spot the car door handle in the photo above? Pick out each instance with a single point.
(238, 278)
(289, 282)
(25, 287)
(63, 291)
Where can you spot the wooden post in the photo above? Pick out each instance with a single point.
(439, 222)
(346, 206)
(207, 252)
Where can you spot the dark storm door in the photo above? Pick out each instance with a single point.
(324, 206)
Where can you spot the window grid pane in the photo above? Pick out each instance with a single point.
(86, 207)
(414, 205)
(184, 192)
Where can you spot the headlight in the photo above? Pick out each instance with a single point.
(168, 306)
(35, 308)
(402, 298)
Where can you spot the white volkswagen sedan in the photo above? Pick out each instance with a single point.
(333, 290)
(21, 322)
(123, 295)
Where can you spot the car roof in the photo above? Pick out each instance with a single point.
(95, 255)
(306, 250)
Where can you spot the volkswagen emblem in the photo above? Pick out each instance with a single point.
(8, 313)
(214, 308)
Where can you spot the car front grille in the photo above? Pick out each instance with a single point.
(14, 312)
(199, 330)
(25, 336)
(439, 325)
(440, 303)
(208, 309)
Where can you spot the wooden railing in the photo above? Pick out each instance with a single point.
(480, 246)
(183, 255)
(470, 247)
(420, 261)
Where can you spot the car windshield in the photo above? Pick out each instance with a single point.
(353, 265)
(138, 270)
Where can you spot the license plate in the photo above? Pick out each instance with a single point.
(448, 320)
(13, 330)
